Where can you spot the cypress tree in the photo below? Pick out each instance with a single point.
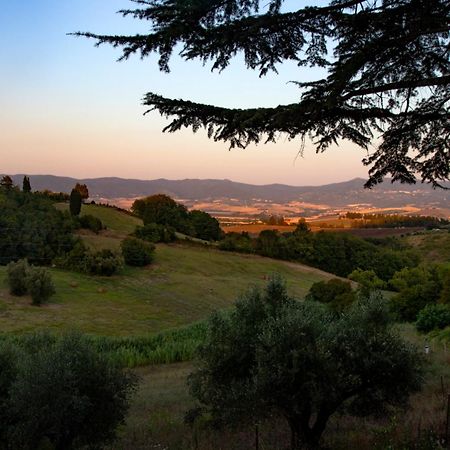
(75, 202)
(26, 185)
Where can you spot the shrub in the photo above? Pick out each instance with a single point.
(433, 317)
(104, 262)
(137, 252)
(92, 223)
(336, 293)
(76, 259)
(205, 226)
(367, 280)
(17, 277)
(39, 285)
(153, 232)
(64, 396)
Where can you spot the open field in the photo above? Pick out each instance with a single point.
(185, 284)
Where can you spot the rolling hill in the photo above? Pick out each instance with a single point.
(185, 284)
(334, 195)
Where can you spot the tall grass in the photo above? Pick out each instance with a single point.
(164, 348)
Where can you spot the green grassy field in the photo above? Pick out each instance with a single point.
(185, 284)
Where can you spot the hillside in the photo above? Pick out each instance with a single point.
(185, 284)
(335, 195)
(433, 246)
(114, 220)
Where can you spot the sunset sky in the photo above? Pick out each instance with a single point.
(69, 108)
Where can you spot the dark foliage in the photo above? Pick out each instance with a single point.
(335, 293)
(155, 233)
(75, 202)
(137, 252)
(338, 253)
(30, 227)
(62, 395)
(39, 285)
(237, 242)
(272, 355)
(104, 262)
(387, 74)
(17, 277)
(204, 226)
(26, 185)
(82, 259)
(418, 287)
(6, 183)
(90, 222)
(162, 210)
(83, 190)
(433, 317)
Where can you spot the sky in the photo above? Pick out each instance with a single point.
(68, 108)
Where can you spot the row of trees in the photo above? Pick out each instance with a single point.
(337, 253)
(364, 220)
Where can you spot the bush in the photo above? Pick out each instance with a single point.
(64, 395)
(92, 223)
(39, 285)
(137, 252)
(104, 262)
(205, 226)
(17, 277)
(433, 317)
(155, 233)
(336, 293)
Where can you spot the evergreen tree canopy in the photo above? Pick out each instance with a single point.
(387, 64)
(26, 185)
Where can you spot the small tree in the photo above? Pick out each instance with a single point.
(26, 185)
(6, 182)
(75, 202)
(17, 277)
(39, 285)
(336, 293)
(137, 252)
(83, 190)
(274, 356)
(64, 394)
(367, 280)
(205, 226)
(104, 262)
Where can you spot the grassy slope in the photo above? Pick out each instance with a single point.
(113, 219)
(183, 285)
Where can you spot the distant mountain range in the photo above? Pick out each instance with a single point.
(191, 190)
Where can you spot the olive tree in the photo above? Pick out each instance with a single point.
(274, 355)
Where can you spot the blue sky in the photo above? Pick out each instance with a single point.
(69, 108)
